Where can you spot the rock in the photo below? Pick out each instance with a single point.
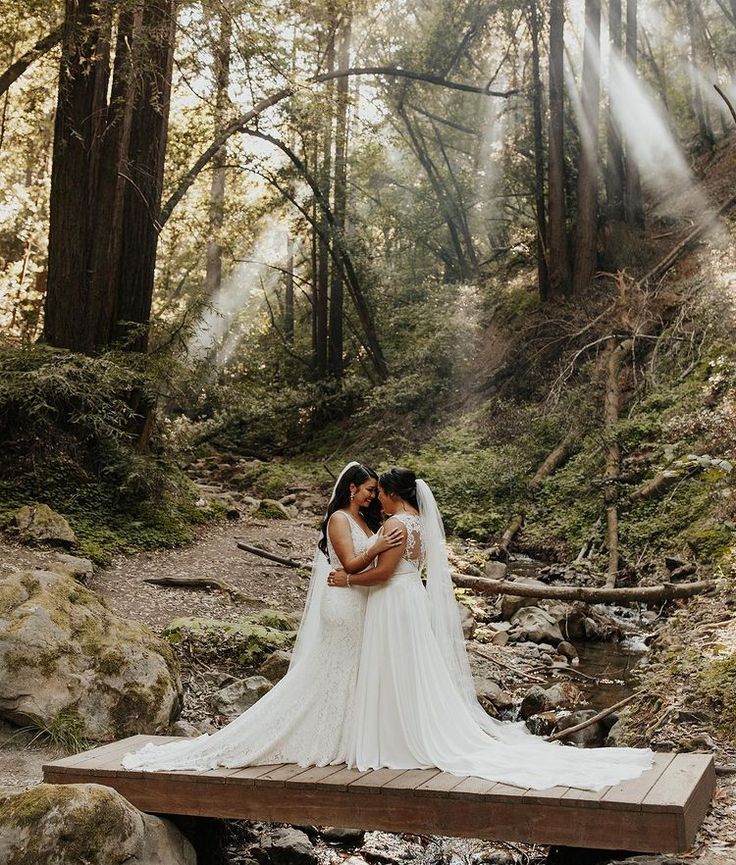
(493, 857)
(39, 523)
(185, 729)
(468, 622)
(592, 736)
(672, 563)
(288, 500)
(345, 837)
(567, 650)
(232, 513)
(540, 627)
(613, 739)
(534, 702)
(495, 570)
(276, 665)
(542, 724)
(500, 638)
(234, 699)
(71, 665)
(288, 846)
(66, 824)
(248, 640)
(487, 689)
(270, 509)
(73, 566)
(656, 859)
(511, 603)
(563, 695)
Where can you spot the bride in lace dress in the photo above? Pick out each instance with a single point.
(306, 717)
(415, 703)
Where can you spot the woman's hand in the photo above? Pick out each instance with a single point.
(338, 578)
(385, 541)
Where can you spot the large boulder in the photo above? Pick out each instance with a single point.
(70, 665)
(65, 824)
(288, 846)
(511, 603)
(538, 625)
(39, 523)
(240, 695)
(276, 665)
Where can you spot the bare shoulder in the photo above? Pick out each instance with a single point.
(392, 523)
(338, 520)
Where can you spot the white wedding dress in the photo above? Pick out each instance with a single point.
(411, 711)
(307, 716)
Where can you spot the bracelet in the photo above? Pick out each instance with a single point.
(347, 581)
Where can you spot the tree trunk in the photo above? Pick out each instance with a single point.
(289, 292)
(323, 252)
(633, 206)
(222, 52)
(611, 409)
(615, 156)
(70, 306)
(699, 107)
(335, 340)
(586, 228)
(146, 154)
(539, 205)
(558, 260)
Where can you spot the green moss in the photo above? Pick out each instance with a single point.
(245, 643)
(268, 511)
(111, 663)
(718, 683)
(136, 702)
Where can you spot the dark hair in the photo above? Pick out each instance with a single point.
(401, 482)
(357, 475)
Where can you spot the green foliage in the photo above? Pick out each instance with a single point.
(69, 438)
(718, 684)
(66, 730)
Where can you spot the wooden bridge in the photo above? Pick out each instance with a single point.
(658, 812)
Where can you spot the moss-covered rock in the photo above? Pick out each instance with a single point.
(76, 670)
(40, 524)
(244, 643)
(66, 824)
(270, 509)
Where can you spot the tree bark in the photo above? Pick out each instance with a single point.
(586, 228)
(289, 292)
(611, 409)
(539, 204)
(335, 338)
(615, 156)
(70, 306)
(558, 258)
(222, 51)
(633, 206)
(699, 107)
(142, 200)
(16, 69)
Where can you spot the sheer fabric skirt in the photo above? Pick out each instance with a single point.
(409, 713)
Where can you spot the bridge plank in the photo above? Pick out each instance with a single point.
(472, 788)
(630, 794)
(313, 776)
(409, 780)
(675, 786)
(343, 778)
(440, 784)
(374, 780)
(75, 761)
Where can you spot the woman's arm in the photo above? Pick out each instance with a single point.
(342, 541)
(387, 562)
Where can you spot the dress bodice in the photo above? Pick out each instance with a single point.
(415, 553)
(360, 540)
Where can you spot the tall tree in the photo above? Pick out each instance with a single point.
(557, 252)
(539, 204)
(222, 55)
(633, 206)
(107, 174)
(699, 107)
(615, 154)
(335, 337)
(586, 226)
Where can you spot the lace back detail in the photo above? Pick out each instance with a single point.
(415, 552)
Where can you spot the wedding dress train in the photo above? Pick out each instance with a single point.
(306, 717)
(411, 708)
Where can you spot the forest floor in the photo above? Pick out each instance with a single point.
(214, 554)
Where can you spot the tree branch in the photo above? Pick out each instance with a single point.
(15, 70)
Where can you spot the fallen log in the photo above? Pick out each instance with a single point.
(193, 583)
(551, 463)
(659, 483)
(590, 595)
(674, 254)
(272, 557)
(611, 409)
(598, 717)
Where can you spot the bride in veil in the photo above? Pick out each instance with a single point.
(306, 717)
(415, 703)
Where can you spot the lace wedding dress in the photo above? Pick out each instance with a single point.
(413, 705)
(306, 717)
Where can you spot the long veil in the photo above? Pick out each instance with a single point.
(445, 618)
(306, 638)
